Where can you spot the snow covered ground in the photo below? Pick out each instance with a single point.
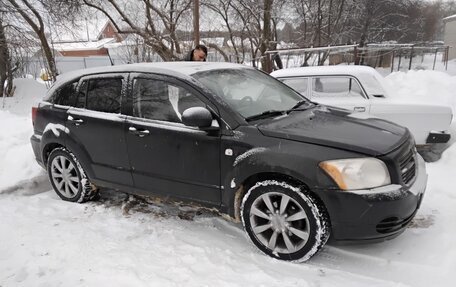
(124, 241)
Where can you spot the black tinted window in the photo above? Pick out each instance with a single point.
(81, 95)
(65, 95)
(104, 95)
(160, 100)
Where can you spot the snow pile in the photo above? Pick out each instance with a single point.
(17, 161)
(423, 86)
(27, 94)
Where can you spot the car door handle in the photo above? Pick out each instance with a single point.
(77, 122)
(359, 109)
(140, 133)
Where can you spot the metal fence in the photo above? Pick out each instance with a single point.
(393, 57)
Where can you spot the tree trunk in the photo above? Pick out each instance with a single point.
(5, 64)
(266, 64)
(52, 69)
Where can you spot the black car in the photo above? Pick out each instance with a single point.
(230, 137)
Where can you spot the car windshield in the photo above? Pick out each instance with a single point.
(250, 92)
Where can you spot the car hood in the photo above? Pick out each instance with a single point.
(336, 128)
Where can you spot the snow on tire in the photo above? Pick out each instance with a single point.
(284, 221)
(68, 177)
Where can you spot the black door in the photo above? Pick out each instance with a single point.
(96, 128)
(166, 156)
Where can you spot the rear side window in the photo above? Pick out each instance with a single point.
(65, 95)
(103, 95)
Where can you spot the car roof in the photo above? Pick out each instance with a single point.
(182, 70)
(371, 80)
(179, 69)
(325, 70)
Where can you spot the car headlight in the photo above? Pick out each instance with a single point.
(357, 173)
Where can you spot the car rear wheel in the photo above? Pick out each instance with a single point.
(68, 177)
(284, 221)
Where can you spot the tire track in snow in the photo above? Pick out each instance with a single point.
(32, 186)
(342, 258)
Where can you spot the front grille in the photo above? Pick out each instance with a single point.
(392, 224)
(407, 166)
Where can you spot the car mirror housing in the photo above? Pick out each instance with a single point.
(197, 117)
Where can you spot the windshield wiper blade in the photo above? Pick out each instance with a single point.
(266, 114)
(299, 104)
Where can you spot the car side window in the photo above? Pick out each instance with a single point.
(81, 95)
(160, 100)
(103, 94)
(335, 87)
(65, 95)
(298, 84)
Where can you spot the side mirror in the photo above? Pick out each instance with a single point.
(197, 117)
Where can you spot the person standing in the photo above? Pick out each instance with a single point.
(197, 54)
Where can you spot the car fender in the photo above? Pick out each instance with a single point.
(57, 134)
(53, 134)
(262, 162)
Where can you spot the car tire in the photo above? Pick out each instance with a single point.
(68, 178)
(283, 221)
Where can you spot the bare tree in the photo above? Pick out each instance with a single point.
(155, 21)
(322, 23)
(259, 20)
(34, 18)
(224, 9)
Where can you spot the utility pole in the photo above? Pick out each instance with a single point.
(196, 32)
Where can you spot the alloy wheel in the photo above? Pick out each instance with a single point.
(65, 176)
(279, 222)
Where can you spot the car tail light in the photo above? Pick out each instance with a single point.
(34, 111)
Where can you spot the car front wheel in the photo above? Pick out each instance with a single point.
(284, 221)
(68, 178)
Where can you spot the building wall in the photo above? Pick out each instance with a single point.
(450, 38)
(85, 53)
(109, 31)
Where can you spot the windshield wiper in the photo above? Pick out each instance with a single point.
(299, 104)
(266, 114)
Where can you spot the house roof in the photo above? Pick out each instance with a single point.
(83, 46)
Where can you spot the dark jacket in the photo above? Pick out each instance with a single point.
(189, 56)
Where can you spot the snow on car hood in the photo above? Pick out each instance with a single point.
(333, 127)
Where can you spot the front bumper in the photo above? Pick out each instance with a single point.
(375, 214)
